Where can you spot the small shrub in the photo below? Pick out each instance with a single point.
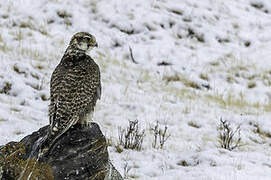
(251, 85)
(44, 97)
(223, 40)
(126, 170)
(131, 137)
(247, 43)
(204, 77)
(177, 12)
(193, 34)
(228, 138)
(6, 88)
(160, 136)
(63, 14)
(193, 124)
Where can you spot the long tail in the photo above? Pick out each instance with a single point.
(55, 133)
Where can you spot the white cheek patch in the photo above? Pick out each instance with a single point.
(83, 46)
(88, 51)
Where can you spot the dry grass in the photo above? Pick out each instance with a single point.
(232, 100)
(204, 77)
(193, 124)
(258, 130)
(182, 78)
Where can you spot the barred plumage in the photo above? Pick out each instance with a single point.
(74, 89)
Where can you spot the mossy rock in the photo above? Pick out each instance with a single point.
(81, 153)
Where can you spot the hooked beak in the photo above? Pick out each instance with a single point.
(96, 45)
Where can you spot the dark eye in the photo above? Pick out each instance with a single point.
(87, 38)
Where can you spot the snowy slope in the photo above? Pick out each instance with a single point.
(219, 56)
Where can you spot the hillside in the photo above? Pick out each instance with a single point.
(186, 64)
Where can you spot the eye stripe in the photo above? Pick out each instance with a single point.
(87, 37)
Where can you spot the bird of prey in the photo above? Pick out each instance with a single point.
(74, 88)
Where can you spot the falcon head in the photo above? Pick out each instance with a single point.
(83, 41)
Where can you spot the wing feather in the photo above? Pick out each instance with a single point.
(74, 92)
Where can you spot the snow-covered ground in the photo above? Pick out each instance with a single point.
(220, 67)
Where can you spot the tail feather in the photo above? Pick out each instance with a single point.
(53, 135)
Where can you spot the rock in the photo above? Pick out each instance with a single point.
(81, 153)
